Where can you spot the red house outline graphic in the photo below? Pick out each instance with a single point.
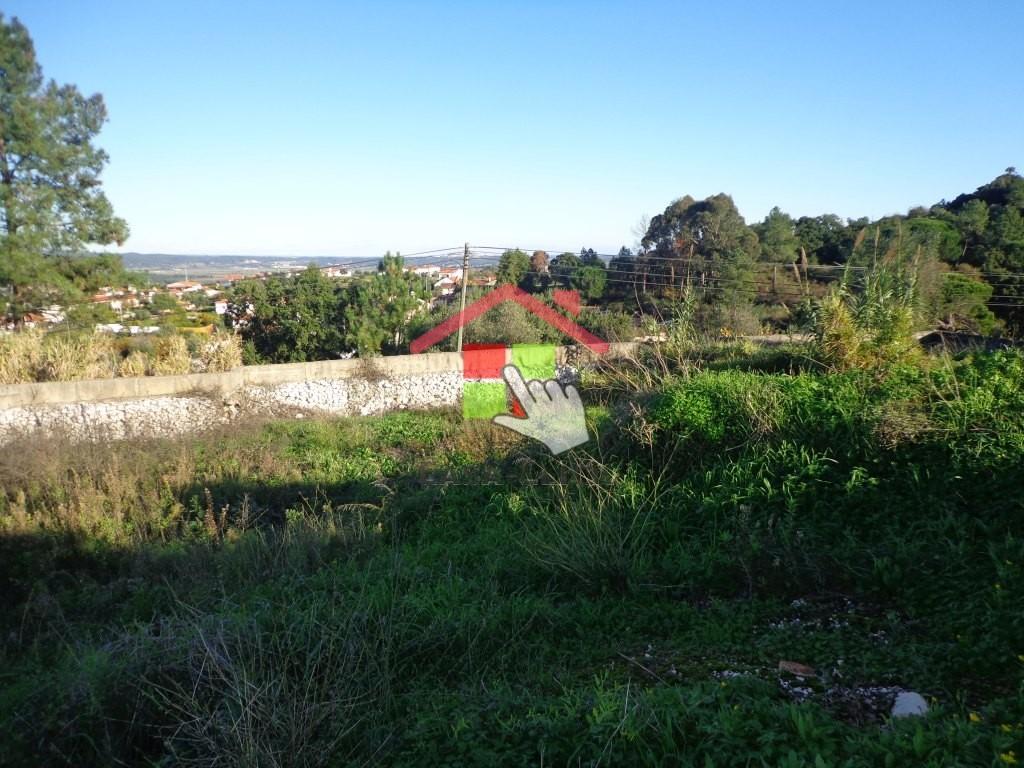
(568, 300)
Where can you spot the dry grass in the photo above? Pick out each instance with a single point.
(841, 343)
(864, 332)
(35, 356)
(125, 494)
(594, 523)
(171, 356)
(223, 352)
(134, 492)
(135, 364)
(19, 356)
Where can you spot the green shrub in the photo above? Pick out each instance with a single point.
(715, 408)
(510, 323)
(609, 325)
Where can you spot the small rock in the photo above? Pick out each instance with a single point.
(796, 668)
(909, 704)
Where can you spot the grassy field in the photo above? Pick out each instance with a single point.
(416, 590)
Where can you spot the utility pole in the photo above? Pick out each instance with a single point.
(465, 279)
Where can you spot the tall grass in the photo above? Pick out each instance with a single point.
(594, 523)
(870, 318)
(20, 355)
(350, 592)
(171, 356)
(223, 352)
(305, 687)
(32, 355)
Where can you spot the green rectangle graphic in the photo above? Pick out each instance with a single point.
(483, 399)
(534, 361)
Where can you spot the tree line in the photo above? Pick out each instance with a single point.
(967, 254)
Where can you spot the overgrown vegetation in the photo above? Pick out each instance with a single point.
(30, 355)
(415, 590)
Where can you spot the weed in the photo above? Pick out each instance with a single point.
(594, 524)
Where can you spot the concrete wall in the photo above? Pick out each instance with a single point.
(156, 406)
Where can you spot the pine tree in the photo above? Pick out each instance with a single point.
(51, 202)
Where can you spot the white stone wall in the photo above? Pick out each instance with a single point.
(361, 397)
(188, 414)
(118, 420)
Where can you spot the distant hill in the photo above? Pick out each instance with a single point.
(167, 266)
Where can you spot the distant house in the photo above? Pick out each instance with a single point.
(425, 270)
(445, 285)
(53, 314)
(184, 286)
(336, 272)
(220, 307)
(454, 273)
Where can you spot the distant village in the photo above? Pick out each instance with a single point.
(140, 310)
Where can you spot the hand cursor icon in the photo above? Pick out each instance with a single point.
(554, 414)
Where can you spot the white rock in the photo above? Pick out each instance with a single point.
(909, 704)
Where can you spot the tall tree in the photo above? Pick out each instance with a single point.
(565, 269)
(777, 235)
(592, 277)
(537, 278)
(51, 202)
(825, 239)
(289, 319)
(972, 222)
(622, 270)
(591, 282)
(513, 266)
(380, 308)
(703, 243)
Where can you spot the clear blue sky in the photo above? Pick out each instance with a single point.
(328, 128)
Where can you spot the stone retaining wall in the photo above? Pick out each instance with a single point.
(163, 406)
